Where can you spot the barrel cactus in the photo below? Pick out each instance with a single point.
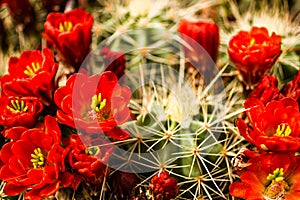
(182, 125)
(149, 100)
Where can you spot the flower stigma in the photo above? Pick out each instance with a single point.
(37, 158)
(17, 106)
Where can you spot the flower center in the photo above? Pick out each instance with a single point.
(30, 71)
(277, 175)
(283, 130)
(17, 106)
(66, 26)
(97, 103)
(92, 151)
(278, 187)
(37, 158)
(252, 41)
(97, 111)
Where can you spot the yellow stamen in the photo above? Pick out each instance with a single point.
(61, 27)
(66, 26)
(37, 158)
(30, 71)
(283, 130)
(92, 151)
(277, 175)
(252, 41)
(97, 102)
(17, 106)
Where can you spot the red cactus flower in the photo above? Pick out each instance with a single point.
(205, 33)
(163, 187)
(19, 111)
(70, 34)
(114, 61)
(87, 163)
(32, 164)
(266, 90)
(31, 75)
(94, 104)
(274, 127)
(292, 89)
(253, 53)
(269, 176)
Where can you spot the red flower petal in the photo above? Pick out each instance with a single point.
(118, 134)
(238, 189)
(13, 190)
(252, 180)
(6, 174)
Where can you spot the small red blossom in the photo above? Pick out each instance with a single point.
(266, 90)
(269, 176)
(70, 34)
(88, 162)
(94, 104)
(32, 163)
(275, 127)
(292, 89)
(253, 53)
(205, 33)
(31, 75)
(114, 61)
(19, 111)
(163, 187)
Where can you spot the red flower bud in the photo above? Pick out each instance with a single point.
(114, 61)
(266, 90)
(204, 33)
(292, 89)
(163, 187)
